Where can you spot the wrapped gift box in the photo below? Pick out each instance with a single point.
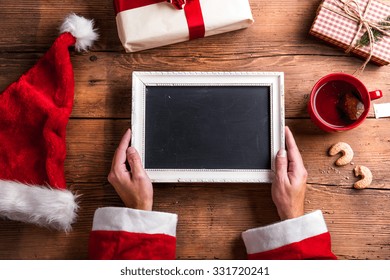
(146, 24)
(334, 25)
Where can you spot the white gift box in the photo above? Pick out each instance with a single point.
(146, 24)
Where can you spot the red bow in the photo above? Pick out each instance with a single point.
(178, 4)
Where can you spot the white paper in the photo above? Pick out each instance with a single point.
(382, 110)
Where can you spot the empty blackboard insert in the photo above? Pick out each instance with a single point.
(208, 126)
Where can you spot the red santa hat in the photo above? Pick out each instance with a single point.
(34, 112)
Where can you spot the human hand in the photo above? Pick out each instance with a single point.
(289, 186)
(133, 187)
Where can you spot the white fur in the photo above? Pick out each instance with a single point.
(82, 29)
(51, 208)
(289, 231)
(134, 220)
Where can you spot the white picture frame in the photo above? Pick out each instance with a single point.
(273, 80)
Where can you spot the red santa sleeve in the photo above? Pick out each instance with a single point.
(129, 234)
(305, 237)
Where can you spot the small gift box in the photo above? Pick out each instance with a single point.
(361, 27)
(146, 24)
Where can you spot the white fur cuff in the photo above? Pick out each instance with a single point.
(133, 220)
(274, 236)
(51, 208)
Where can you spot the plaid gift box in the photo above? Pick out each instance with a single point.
(345, 23)
(146, 24)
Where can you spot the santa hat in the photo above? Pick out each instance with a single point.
(34, 112)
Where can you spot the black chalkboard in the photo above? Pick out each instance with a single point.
(207, 127)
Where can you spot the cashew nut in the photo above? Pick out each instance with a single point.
(345, 149)
(366, 176)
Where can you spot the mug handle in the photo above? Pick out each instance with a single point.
(375, 94)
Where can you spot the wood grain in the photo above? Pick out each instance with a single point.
(211, 222)
(103, 80)
(211, 216)
(91, 145)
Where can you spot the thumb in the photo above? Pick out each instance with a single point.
(134, 161)
(281, 163)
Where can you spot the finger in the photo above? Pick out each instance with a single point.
(125, 141)
(293, 153)
(120, 153)
(135, 162)
(281, 164)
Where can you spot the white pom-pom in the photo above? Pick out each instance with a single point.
(82, 29)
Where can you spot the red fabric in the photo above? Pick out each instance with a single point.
(316, 247)
(122, 245)
(34, 113)
(192, 10)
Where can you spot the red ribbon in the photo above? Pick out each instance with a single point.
(194, 17)
(192, 10)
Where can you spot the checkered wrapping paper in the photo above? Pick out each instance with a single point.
(339, 30)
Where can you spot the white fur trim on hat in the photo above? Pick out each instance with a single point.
(51, 208)
(82, 29)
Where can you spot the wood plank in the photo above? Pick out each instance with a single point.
(282, 21)
(370, 142)
(103, 86)
(103, 80)
(91, 145)
(211, 228)
(357, 220)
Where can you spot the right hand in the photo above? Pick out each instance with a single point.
(289, 186)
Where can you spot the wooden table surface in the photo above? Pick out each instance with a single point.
(211, 216)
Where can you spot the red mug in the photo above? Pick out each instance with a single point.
(325, 98)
